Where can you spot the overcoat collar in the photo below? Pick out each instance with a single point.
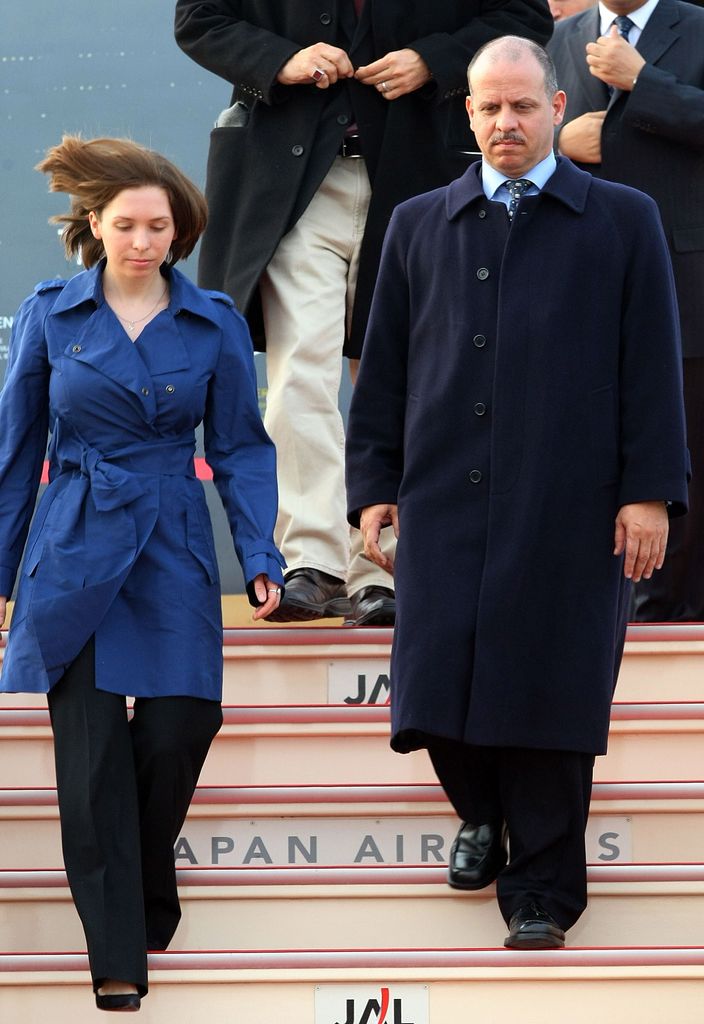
(88, 287)
(94, 339)
(568, 184)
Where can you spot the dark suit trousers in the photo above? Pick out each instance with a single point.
(543, 796)
(124, 789)
(676, 592)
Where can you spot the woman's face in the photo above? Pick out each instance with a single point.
(136, 229)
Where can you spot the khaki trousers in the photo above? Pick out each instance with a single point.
(307, 297)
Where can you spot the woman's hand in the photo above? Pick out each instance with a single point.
(3, 609)
(268, 594)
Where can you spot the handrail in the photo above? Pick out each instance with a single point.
(367, 714)
(389, 959)
(353, 874)
(362, 794)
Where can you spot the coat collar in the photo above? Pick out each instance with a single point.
(568, 184)
(88, 287)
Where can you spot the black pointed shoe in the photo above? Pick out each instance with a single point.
(477, 856)
(531, 927)
(311, 594)
(373, 606)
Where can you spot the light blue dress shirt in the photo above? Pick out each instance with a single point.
(493, 181)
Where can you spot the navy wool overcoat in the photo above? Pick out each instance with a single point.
(518, 386)
(121, 544)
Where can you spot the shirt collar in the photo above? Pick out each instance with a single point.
(639, 17)
(88, 287)
(492, 180)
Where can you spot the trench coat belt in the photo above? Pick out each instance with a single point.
(120, 477)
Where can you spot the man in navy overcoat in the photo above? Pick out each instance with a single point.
(518, 419)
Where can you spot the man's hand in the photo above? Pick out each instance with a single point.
(3, 609)
(398, 73)
(581, 139)
(320, 63)
(614, 61)
(371, 521)
(641, 531)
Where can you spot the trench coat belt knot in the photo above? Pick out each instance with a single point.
(118, 478)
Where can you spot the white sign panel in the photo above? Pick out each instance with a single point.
(371, 1004)
(330, 842)
(356, 682)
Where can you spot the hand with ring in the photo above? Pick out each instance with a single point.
(397, 74)
(320, 64)
(268, 593)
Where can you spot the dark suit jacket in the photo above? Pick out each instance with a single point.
(261, 176)
(653, 137)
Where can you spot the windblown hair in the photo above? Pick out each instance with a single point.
(514, 48)
(94, 171)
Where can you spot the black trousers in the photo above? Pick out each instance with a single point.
(543, 796)
(676, 592)
(124, 788)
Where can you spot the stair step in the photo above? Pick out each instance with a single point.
(353, 745)
(230, 826)
(258, 985)
(321, 665)
(383, 906)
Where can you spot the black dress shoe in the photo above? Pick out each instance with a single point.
(531, 927)
(122, 1002)
(311, 594)
(373, 606)
(477, 855)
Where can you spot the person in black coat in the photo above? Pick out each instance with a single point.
(339, 112)
(635, 114)
(518, 418)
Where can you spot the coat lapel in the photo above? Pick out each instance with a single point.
(659, 33)
(347, 19)
(595, 92)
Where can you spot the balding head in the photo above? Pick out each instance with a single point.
(513, 50)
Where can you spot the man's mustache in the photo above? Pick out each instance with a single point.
(506, 137)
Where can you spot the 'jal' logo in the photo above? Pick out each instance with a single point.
(371, 695)
(382, 1011)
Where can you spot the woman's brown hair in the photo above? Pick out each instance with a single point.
(93, 171)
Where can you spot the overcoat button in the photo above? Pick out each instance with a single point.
(297, 150)
(479, 340)
(343, 119)
(145, 391)
(170, 389)
(76, 348)
(482, 273)
(480, 408)
(475, 476)
(325, 18)
(482, 214)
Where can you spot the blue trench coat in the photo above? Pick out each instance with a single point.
(121, 543)
(517, 387)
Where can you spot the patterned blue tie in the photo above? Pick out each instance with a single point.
(516, 187)
(624, 25)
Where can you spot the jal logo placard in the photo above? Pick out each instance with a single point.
(371, 1004)
(356, 682)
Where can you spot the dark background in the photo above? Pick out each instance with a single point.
(99, 69)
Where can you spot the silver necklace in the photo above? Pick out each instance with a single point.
(132, 324)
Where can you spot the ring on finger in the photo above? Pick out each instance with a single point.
(384, 86)
(318, 73)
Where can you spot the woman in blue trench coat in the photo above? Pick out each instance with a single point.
(118, 591)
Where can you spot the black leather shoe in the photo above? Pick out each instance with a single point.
(127, 1002)
(373, 606)
(477, 855)
(531, 927)
(311, 594)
